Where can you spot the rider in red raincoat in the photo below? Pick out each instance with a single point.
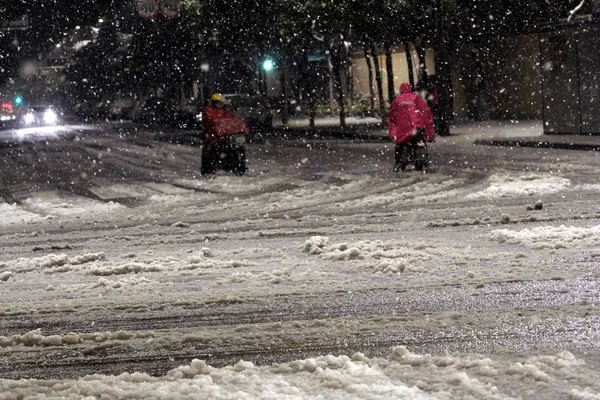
(219, 123)
(409, 116)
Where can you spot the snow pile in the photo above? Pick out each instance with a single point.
(549, 237)
(429, 190)
(404, 375)
(5, 275)
(275, 277)
(204, 260)
(386, 257)
(86, 258)
(316, 245)
(51, 263)
(96, 264)
(36, 338)
(233, 185)
(122, 269)
(524, 185)
(237, 277)
(39, 263)
(72, 206)
(391, 266)
(12, 214)
(124, 283)
(317, 194)
(592, 187)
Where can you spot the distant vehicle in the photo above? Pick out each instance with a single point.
(39, 115)
(8, 114)
(165, 112)
(121, 108)
(255, 110)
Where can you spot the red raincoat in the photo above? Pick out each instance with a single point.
(407, 113)
(220, 122)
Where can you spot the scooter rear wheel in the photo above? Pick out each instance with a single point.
(240, 170)
(239, 162)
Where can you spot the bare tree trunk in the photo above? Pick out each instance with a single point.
(371, 88)
(379, 83)
(390, 72)
(312, 113)
(422, 65)
(332, 72)
(182, 97)
(409, 62)
(262, 85)
(306, 89)
(285, 90)
(349, 71)
(338, 70)
(349, 76)
(443, 73)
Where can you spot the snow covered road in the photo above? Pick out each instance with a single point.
(326, 272)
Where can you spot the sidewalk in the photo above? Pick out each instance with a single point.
(329, 127)
(527, 133)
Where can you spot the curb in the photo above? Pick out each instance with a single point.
(538, 144)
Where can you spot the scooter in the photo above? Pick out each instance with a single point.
(414, 152)
(228, 155)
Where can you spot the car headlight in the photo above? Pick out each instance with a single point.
(29, 118)
(50, 117)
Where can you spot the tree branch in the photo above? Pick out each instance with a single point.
(573, 11)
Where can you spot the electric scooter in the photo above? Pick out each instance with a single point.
(227, 155)
(414, 152)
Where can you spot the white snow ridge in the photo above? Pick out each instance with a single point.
(523, 185)
(550, 237)
(404, 375)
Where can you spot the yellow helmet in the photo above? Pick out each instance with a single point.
(217, 97)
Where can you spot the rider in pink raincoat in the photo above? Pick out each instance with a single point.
(409, 114)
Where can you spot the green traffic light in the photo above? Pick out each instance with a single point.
(18, 100)
(268, 64)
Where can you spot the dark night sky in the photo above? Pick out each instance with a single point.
(50, 19)
(59, 10)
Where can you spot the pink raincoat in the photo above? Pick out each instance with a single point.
(407, 113)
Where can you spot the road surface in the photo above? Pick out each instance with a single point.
(118, 257)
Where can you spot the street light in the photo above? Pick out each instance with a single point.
(268, 65)
(265, 67)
